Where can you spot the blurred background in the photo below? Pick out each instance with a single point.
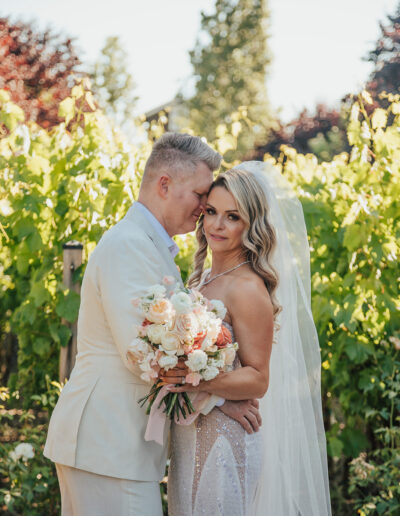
(310, 86)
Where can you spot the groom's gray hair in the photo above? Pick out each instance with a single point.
(180, 152)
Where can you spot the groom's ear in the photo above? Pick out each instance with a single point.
(163, 185)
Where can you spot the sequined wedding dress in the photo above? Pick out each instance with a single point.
(215, 466)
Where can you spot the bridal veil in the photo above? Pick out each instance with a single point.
(294, 480)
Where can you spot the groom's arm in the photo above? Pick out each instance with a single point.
(126, 268)
(245, 412)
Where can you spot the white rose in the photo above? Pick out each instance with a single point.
(217, 362)
(219, 308)
(197, 360)
(214, 327)
(155, 333)
(139, 348)
(158, 291)
(24, 451)
(160, 311)
(210, 373)
(170, 342)
(168, 361)
(181, 302)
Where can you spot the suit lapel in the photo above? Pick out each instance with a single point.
(135, 215)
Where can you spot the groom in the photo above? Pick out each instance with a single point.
(96, 432)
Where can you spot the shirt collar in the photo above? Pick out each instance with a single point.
(171, 244)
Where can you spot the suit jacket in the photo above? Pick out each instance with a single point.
(97, 424)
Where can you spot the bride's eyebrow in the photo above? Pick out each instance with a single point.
(226, 211)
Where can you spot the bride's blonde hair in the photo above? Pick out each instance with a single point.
(258, 239)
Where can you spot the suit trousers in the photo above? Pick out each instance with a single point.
(88, 494)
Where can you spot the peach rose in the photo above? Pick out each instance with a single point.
(224, 338)
(160, 311)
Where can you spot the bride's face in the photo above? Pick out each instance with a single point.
(223, 226)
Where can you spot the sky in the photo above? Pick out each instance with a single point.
(317, 45)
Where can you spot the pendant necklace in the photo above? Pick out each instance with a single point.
(225, 272)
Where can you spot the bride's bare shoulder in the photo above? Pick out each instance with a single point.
(249, 290)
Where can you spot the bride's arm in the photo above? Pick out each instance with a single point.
(251, 311)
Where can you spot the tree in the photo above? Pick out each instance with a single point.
(230, 61)
(37, 69)
(112, 83)
(386, 58)
(322, 133)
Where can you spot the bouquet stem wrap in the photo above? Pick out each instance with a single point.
(158, 416)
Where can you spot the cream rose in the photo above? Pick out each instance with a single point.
(214, 327)
(160, 311)
(155, 333)
(228, 355)
(186, 325)
(170, 342)
(197, 360)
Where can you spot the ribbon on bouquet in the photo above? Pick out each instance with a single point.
(157, 417)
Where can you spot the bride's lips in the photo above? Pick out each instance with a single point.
(217, 238)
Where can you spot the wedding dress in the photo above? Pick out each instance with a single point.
(219, 470)
(215, 466)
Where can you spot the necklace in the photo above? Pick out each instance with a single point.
(225, 272)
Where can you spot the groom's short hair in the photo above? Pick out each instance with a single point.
(180, 152)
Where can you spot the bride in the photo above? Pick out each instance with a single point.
(254, 227)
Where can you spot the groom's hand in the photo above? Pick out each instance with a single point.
(176, 375)
(245, 412)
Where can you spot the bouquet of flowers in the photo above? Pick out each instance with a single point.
(180, 326)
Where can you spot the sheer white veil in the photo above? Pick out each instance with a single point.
(295, 479)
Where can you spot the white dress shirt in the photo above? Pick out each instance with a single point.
(161, 231)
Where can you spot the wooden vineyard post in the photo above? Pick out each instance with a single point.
(72, 255)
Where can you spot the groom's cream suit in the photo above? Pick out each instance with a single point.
(97, 425)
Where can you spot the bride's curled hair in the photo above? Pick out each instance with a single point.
(258, 239)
